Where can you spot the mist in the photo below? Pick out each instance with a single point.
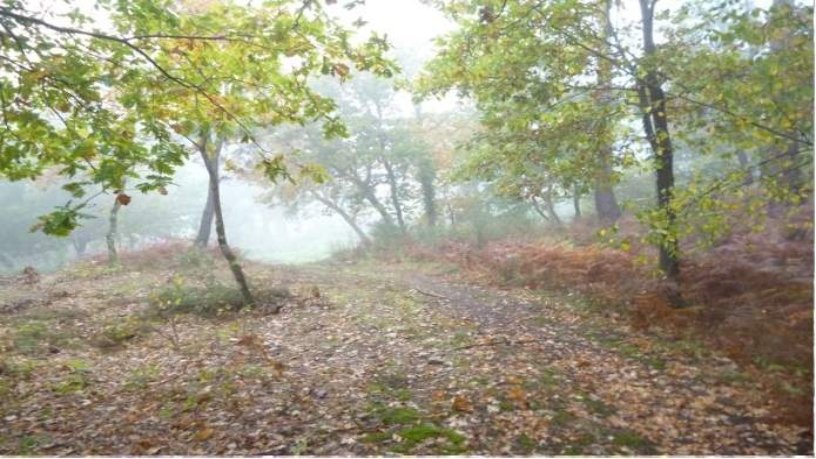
(413, 228)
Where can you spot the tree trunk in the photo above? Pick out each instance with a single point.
(212, 170)
(346, 217)
(368, 194)
(426, 178)
(80, 245)
(576, 201)
(538, 209)
(550, 206)
(656, 126)
(392, 184)
(110, 238)
(207, 215)
(606, 204)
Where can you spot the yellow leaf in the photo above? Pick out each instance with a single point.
(204, 434)
(461, 404)
(517, 394)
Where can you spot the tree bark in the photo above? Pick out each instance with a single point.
(368, 194)
(346, 217)
(220, 231)
(392, 184)
(548, 201)
(656, 126)
(550, 215)
(207, 216)
(576, 201)
(113, 228)
(426, 178)
(538, 209)
(606, 204)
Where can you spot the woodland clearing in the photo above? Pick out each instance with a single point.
(365, 358)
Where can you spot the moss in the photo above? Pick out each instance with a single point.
(115, 335)
(403, 395)
(74, 382)
(629, 439)
(506, 405)
(598, 407)
(141, 377)
(376, 437)
(29, 336)
(398, 415)
(414, 435)
(525, 444)
(562, 417)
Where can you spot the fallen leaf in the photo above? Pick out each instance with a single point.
(204, 434)
(461, 404)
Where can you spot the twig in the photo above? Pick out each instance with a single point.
(435, 295)
(497, 342)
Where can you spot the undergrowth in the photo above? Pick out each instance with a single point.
(749, 295)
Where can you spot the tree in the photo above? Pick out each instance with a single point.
(382, 166)
(568, 69)
(208, 76)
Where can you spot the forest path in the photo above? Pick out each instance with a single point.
(369, 358)
(523, 373)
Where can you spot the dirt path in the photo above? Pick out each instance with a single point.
(371, 359)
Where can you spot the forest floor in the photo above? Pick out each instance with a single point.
(366, 359)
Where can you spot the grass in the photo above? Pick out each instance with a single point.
(629, 439)
(37, 336)
(141, 377)
(415, 435)
(116, 333)
(76, 380)
(396, 415)
(525, 444)
(597, 407)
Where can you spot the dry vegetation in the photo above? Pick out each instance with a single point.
(365, 358)
(749, 297)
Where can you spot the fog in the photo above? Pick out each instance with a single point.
(259, 231)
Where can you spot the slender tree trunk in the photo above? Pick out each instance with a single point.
(538, 209)
(551, 207)
(606, 204)
(576, 201)
(392, 184)
(207, 215)
(426, 178)
(346, 217)
(113, 228)
(220, 231)
(656, 126)
(80, 245)
(368, 194)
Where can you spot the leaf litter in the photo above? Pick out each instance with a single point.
(372, 364)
